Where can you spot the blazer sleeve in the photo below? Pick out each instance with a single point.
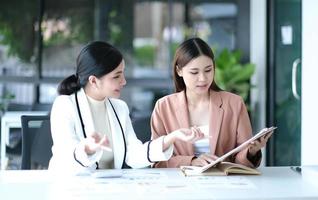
(142, 155)
(158, 130)
(66, 149)
(244, 132)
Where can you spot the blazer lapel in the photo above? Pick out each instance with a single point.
(216, 116)
(85, 112)
(118, 148)
(182, 113)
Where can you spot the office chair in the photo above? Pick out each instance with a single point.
(36, 141)
(142, 128)
(16, 136)
(15, 133)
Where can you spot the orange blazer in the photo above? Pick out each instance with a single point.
(229, 126)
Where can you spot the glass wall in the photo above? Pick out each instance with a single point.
(39, 41)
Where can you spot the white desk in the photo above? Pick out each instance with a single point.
(12, 119)
(274, 183)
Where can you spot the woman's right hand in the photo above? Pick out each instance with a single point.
(203, 159)
(95, 142)
(183, 134)
(188, 135)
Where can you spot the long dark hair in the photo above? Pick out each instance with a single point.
(187, 51)
(96, 58)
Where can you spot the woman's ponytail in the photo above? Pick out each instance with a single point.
(69, 85)
(95, 59)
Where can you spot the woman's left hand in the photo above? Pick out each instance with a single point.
(95, 142)
(256, 145)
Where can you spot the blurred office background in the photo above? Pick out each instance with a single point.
(40, 39)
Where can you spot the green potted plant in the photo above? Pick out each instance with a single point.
(232, 75)
(4, 101)
(145, 55)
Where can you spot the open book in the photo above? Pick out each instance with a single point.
(192, 170)
(220, 169)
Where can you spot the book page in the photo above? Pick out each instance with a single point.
(220, 169)
(234, 168)
(237, 149)
(193, 171)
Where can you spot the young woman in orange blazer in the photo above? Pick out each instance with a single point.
(198, 102)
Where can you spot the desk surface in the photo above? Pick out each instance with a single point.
(274, 183)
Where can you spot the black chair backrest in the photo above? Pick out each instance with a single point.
(142, 128)
(36, 141)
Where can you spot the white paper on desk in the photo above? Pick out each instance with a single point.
(107, 173)
(221, 182)
(144, 175)
(237, 149)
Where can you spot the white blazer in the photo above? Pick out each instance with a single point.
(67, 133)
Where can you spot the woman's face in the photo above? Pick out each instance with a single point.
(198, 75)
(111, 84)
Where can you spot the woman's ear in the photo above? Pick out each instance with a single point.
(179, 72)
(92, 80)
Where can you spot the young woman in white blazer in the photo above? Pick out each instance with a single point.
(91, 127)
